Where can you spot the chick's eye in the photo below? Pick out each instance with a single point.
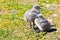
(37, 7)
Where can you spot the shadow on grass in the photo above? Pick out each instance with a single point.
(51, 30)
(46, 32)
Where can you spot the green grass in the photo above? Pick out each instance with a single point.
(12, 27)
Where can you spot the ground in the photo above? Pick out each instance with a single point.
(13, 27)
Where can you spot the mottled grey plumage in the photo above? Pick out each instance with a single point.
(30, 15)
(42, 23)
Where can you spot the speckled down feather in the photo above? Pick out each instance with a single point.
(42, 23)
(30, 15)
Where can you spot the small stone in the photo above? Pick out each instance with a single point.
(1, 11)
(53, 15)
(50, 6)
(14, 31)
(14, 11)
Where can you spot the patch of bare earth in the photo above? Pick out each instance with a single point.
(54, 19)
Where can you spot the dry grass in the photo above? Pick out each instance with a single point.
(13, 27)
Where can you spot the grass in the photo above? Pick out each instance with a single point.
(13, 27)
